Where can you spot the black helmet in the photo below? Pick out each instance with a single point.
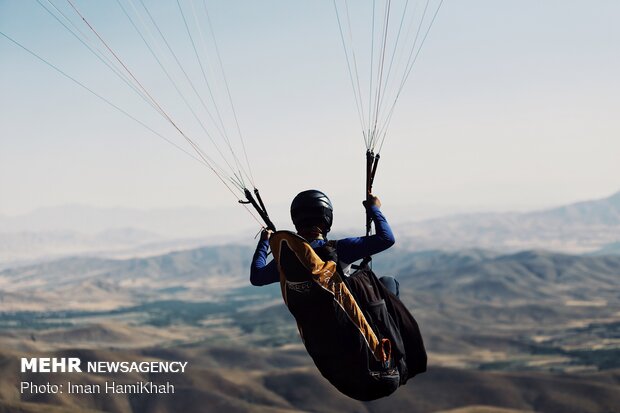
(311, 208)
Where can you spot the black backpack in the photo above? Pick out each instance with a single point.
(360, 336)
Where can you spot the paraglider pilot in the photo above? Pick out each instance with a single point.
(359, 334)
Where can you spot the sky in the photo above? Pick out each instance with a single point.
(511, 105)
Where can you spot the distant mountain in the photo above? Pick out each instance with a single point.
(608, 249)
(576, 228)
(599, 212)
(96, 283)
(532, 276)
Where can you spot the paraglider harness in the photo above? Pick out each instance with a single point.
(360, 336)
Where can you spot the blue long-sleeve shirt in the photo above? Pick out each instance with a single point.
(349, 250)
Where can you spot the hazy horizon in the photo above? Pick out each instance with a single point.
(420, 211)
(423, 209)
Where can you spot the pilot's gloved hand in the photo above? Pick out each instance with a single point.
(265, 234)
(372, 201)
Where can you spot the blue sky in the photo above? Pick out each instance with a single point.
(512, 105)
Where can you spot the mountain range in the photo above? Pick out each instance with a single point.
(545, 299)
(507, 330)
(577, 228)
